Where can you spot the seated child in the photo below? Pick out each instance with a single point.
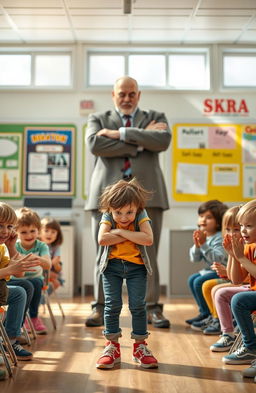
(28, 228)
(223, 296)
(244, 264)
(207, 248)
(11, 262)
(51, 234)
(212, 324)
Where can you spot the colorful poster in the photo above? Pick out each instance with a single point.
(10, 164)
(49, 161)
(214, 161)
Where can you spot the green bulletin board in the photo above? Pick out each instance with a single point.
(10, 161)
(13, 153)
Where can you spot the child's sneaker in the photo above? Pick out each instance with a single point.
(242, 355)
(201, 325)
(110, 356)
(20, 352)
(195, 319)
(143, 356)
(223, 344)
(213, 328)
(39, 326)
(250, 372)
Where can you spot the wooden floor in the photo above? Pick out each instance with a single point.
(64, 360)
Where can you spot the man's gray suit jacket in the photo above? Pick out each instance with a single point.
(110, 153)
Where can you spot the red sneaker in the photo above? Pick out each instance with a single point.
(143, 356)
(110, 356)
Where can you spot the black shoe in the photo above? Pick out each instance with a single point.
(156, 318)
(198, 318)
(95, 319)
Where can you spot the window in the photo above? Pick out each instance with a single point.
(188, 71)
(162, 69)
(52, 70)
(36, 68)
(239, 70)
(148, 70)
(15, 70)
(105, 69)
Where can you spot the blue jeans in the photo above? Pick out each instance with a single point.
(33, 287)
(29, 288)
(242, 305)
(16, 305)
(136, 281)
(195, 283)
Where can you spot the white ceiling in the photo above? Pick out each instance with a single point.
(151, 21)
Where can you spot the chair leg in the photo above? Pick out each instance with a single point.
(32, 329)
(6, 360)
(47, 301)
(59, 303)
(8, 344)
(25, 332)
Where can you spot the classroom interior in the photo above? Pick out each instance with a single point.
(84, 31)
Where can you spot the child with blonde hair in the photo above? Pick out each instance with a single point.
(11, 262)
(124, 232)
(243, 265)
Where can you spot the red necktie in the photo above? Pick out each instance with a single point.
(127, 172)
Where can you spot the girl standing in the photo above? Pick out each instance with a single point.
(124, 232)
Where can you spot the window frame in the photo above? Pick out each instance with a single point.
(33, 52)
(230, 51)
(126, 52)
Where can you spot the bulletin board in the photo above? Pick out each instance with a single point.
(214, 161)
(49, 161)
(10, 163)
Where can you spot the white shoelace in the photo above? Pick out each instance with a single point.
(145, 351)
(109, 350)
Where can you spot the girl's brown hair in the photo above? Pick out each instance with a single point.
(27, 217)
(217, 208)
(124, 193)
(51, 223)
(7, 214)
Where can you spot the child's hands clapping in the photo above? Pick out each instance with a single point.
(227, 244)
(219, 269)
(19, 265)
(199, 238)
(237, 246)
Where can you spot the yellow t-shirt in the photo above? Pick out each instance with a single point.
(126, 250)
(4, 258)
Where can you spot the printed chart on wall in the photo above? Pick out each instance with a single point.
(214, 161)
(49, 160)
(10, 164)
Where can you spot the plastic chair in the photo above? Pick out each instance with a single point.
(5, 345)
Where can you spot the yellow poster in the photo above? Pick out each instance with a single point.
(214, 161)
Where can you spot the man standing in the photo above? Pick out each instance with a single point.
(126, 142)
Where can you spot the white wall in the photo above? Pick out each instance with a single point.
(63, 107)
